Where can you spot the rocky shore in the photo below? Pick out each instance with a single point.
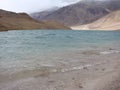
(103, 74)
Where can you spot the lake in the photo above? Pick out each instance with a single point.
(52, 50)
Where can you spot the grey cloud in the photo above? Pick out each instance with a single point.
(69, 1)
(32, 5)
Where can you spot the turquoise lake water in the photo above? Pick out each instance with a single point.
(31, 49)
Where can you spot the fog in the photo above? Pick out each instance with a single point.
(32, 5)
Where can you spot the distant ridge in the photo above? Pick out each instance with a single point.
(22, 21)
(83, 12)
(42, 14)
(108, 22)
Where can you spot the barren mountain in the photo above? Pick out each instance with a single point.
(83, 12)
(108, 22)
(20, 21)
(42, 14)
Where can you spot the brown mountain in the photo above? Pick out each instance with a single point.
(83, 12)
(20, 21)
(108, 22)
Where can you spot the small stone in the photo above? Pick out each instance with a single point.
(103, 69)
(80, 86)
(85, 68)
(111, 49)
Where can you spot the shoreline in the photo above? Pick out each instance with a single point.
(88, 78)
(94, 30)
(60, 29)
(77, 29)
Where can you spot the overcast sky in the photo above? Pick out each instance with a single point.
(32, 5)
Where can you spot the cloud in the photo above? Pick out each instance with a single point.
(67, 2)
(25, 5)
(32, 5)
(70, 1)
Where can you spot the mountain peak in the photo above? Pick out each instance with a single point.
(83, 12)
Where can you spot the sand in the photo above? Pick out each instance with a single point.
(103, 74)
(109, 22)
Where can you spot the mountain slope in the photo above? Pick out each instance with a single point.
(40, 15)
(20, 21)
(84, 12)
(108, 22)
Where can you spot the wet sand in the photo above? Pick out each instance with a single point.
(103, 74)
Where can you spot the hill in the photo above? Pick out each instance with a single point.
(108, 22)
(22, 21)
